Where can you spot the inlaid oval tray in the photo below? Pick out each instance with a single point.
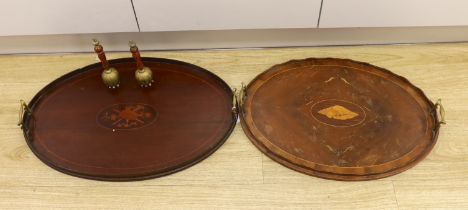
(80, 127)
(338, 119)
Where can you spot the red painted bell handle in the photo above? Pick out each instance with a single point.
(136, 54)
(100, 53)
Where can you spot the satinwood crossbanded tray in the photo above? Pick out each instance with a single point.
(338, 119)
(80, 127)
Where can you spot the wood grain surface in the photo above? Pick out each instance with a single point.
(338, 119)
(238, 176)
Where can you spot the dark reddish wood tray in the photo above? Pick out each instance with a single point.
(338, 119)
(80, 127)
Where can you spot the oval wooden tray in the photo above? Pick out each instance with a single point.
(338, 119)
(80, 127)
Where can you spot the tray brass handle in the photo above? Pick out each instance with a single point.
(23, 109)
(441, 109)
(234, 100)
(241, 96)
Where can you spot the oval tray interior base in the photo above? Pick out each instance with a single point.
(339, 119)
(80, 127)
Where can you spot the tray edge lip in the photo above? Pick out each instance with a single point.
(69, 75)
(337, 176)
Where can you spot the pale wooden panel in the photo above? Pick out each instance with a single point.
(442, 194)
(23, 17)
(167, 15)
(384, 13)
(238, 176)
(305, 196)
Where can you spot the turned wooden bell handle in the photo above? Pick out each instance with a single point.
(100, 53)
(136, 54)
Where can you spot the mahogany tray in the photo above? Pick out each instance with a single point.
(338, 119)
(80, 127)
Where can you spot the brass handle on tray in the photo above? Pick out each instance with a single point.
(23, 108)
(438, 105)
(234, 100)
(240, 97)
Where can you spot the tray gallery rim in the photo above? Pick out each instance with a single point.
(285, 161)
(27, 133)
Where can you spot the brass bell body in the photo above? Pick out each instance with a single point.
(110, 77)
(144, 76)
